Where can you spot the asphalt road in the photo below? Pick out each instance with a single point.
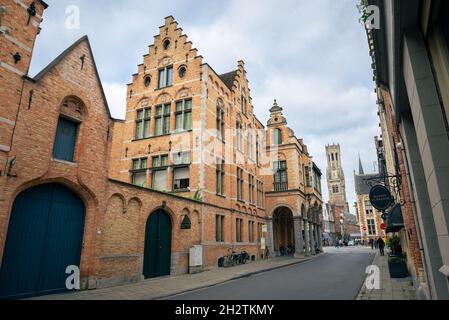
(336, 275)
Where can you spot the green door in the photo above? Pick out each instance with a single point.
(157, 252)
(45, 236)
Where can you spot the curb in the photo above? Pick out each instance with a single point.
(246, 275)
(363, 282)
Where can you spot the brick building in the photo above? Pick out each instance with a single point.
(410, 63)
(370, 219)
(126, 199)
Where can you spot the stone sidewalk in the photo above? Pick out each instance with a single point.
(168, 286)
(391, 289)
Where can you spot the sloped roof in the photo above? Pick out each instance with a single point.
(228, 78)
(59, 58)
(361, 185)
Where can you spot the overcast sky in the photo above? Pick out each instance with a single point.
(310, 55)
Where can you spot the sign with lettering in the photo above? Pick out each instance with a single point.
(380, 197)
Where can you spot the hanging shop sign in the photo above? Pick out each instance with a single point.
(380, 197)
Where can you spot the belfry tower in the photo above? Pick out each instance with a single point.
(335, 176)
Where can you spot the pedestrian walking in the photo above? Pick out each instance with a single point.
(371, 243)
(381, 245)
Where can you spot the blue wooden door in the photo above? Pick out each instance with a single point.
(64, 147)
(157, 252)
(44, 237)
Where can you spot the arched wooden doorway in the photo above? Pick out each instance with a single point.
(283, 229)
(157, 252)
(45, 235)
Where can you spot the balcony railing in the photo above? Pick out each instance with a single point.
(280, 186)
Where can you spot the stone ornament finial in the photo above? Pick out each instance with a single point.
(276, 107)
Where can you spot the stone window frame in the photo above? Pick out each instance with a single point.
(164, 115)
(142, 121)
(183, 113)
(219, 176)
(163, 82)
(138, 167)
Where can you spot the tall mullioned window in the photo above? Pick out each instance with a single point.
(220, 122)
(143, 123)
(251, 188)
(165, 77)
(220, 174)
(162, 120)
(239, 184)
(250, 143)
(244, 103)
(251, 231)
(219, 226)
(280, 176)
(183, 115)
(239, 128)
(371, 227)
(277, 137)
(139, 172)
(159, 173)
(238, 230)
(181, 170)
(260, 194)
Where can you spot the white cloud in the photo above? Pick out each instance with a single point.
(116, 97)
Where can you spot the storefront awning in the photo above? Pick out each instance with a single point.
(395, 221)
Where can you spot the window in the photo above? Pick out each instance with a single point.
(139, 172)
(243, 103)
(220, 122)
(238, 230)
(260, 194)
(65, 140)
(257, 150)
(239, 128)
(219, 226)
(368, 208)
(181, 174)
(239, 184)
(166, 44)
(307, 177)
(371, 227)
(181, 178)
(259, 231)
(335, 188)
(220, 174)
(251, 188)
(182, 72)
(277, 137)
(159, 173)
(183, 115)
(147, 81)
(165, 77)
(143, 123)
(250, 143)
(162, 120)
(280, 176)
(181, 158)
(251, 231)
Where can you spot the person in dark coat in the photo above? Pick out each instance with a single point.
(371, 242)
(381, 245)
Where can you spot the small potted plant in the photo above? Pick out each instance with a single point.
(397, 260)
